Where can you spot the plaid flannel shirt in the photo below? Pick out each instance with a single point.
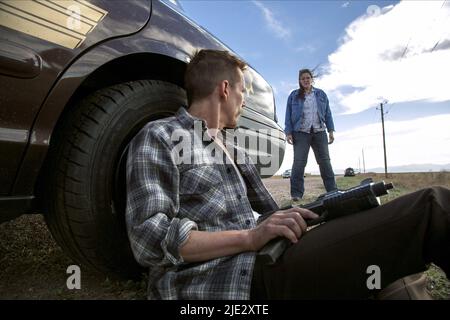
(167, 198)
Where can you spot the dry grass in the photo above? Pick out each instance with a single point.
(403, 182)
(32, 266)
(407, 181)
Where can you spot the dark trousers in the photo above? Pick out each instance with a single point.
(319, 143)
(331, 260)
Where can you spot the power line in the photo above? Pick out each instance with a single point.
(437, 43)
(388, 109)
(406, 48)
(409, 40)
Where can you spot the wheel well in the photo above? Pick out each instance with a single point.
(138, 66)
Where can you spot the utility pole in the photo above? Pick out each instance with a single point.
(359, 164)
(384, 138)
(364, 161)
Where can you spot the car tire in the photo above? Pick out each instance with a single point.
(87, 187)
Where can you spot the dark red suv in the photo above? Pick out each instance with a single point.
(78, 79)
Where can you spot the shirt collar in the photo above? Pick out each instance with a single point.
(186, 119)
(313, 90)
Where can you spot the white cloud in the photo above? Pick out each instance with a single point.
(273, 23)
(345, 4)
(423, 140)
(400, 52)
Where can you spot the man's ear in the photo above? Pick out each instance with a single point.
(224, 89)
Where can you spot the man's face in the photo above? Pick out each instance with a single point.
(235, 102)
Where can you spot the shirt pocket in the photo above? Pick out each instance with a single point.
(199, 179)
(202, 197)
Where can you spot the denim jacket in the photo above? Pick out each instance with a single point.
(294, 111)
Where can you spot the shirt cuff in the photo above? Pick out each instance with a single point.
(176, 236)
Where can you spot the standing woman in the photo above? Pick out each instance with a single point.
(308, 116)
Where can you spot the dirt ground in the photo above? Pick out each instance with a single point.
(279, 188)
(32, 266)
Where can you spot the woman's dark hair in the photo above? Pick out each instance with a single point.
(302, 90)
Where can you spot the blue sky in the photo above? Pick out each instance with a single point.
(365, 52)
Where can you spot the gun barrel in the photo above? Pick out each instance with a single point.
(381, 188)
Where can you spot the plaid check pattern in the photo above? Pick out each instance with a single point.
(167, 198)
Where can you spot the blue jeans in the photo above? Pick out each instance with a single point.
(319, 143)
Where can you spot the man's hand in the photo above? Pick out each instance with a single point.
(288, 223)
(290, 139)
(330, 137)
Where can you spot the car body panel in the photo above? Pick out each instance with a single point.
(27, 77)
(167, 34)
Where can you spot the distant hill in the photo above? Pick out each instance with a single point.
(426, 167)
